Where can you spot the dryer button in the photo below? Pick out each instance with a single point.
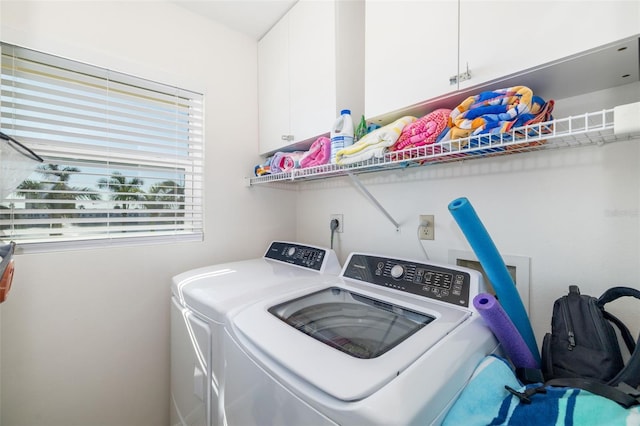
(397, 271)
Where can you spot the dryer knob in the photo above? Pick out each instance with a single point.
(291, 251)
(397, 271)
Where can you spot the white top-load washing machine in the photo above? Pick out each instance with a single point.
(389, 342)
(201, 300)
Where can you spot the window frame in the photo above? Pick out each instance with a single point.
(75, 115)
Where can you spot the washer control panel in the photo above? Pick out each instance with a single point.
(439, 282)
(297, 254)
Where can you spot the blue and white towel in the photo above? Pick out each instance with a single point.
(485, 401)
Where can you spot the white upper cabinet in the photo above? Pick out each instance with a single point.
(273, 86)
(411, 52)
(498, 38)
(305, 77)
(413, 48)
(312, 62)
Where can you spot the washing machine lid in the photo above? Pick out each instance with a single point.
(399, 330)
(214, 290)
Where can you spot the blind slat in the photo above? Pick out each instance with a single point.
(27, 95)
(35, 111)
(71, 74)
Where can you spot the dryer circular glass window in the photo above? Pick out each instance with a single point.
(350, 322)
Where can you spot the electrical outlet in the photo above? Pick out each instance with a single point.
(339, 218)
(426, 228)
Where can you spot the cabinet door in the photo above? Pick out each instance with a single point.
(411, 50)
(312, 55)
(498, 38)
(273, 87)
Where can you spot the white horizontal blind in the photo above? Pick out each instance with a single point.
(123, 156)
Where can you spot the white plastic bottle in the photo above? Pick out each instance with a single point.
(341, 133)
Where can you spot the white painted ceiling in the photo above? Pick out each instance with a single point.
(251, 17)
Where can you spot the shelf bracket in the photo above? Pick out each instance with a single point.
(364, 190)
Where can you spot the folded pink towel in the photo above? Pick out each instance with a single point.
(423, 131)
(318, 154)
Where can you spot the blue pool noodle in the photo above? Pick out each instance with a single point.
(490, 259)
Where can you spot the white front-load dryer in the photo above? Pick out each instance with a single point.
(389, 342)
(201, 300)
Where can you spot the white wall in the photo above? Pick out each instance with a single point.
(575, 212)
(85, 334)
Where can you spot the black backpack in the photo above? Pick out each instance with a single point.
(582, 350)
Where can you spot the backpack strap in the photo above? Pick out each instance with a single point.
(624, 330)
(623, 395)
(615, 293)
(630, 374)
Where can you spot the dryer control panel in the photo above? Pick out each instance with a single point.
(297, 254)
(440, 282)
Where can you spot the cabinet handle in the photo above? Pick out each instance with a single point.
(454, 79)
(287, 137)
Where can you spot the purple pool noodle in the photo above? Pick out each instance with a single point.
(499, 323)
(491, 260)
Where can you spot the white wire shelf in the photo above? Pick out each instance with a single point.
(595, 128)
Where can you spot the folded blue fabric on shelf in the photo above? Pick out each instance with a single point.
(495, 113)
(264, 168)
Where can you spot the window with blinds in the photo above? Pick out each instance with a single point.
(123, 156)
